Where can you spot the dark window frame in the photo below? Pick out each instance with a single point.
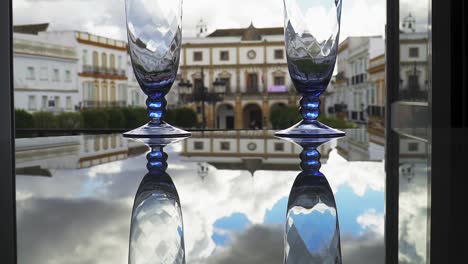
(225, 146)
(279, 146)
(413, 52)
(197, 56)
(8, 254)
(198, 145)
(276, 78)
(277, 54)
(224, 58)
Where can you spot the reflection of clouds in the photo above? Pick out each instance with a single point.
(222, 194)
(368, 248)
(372, 221)
(64, 231)
(360, 176)
(413, 210)
(259, 244)
(75, 213)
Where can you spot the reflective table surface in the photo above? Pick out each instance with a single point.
(75, 196)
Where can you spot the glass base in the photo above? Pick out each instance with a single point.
(313, 129)
(162, 134)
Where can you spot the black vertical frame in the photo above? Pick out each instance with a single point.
(392, 141)
(7, 135)
(449, 131)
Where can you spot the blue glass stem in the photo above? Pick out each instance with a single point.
(157, 160)
(156, 106)
(310, 161)
(310, 108)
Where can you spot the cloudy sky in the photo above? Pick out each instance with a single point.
(107, 17)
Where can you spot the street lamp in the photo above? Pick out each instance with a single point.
(201, 93)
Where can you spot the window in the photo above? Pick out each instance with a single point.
(279, 80)
(95, 59)
(120, 62)
(279, 146)
(30, 75)
(32, 102)
(44, 102)
(198, 84)
(51, 103)
(105, 142)
(68, 76)
(56, 75)
(44, 75)
(68, 103)
(225, 145)
(224, 56)
(104, 60)
(112, 61)
(198, 145)
(227, 82)
(252, 83)
(97, 143)
(413, 146)
(198, 56)
(414, 52)
(279, 54)
(57, 101)
(113, 141)
(85, 57)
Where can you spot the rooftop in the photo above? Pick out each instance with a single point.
(32, 29)
(249, 33)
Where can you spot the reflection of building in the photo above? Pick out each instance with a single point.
(45, 75)
(102, 65)
(252, 62)
(136, 97)
(70, 152)
(414, 66)
(245, 150)
(376, 109)
(352, 93)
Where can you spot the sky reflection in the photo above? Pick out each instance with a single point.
(83, 215)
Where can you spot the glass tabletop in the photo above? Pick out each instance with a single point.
(75, 196)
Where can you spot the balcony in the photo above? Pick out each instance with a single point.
(103, 104)
(357, 79)
(103, 71)
(376, 111)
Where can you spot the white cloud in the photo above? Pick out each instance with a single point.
(107, 17)
(372, 221)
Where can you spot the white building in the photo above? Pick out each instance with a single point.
(252, 62)
(45, 75)
(136, 97)
(414, 67)
(102, 67)
(71, 152)
(352, 86)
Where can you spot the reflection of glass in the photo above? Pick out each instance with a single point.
(312, 31)
(154, 39)
(157, 232)
(312, 228)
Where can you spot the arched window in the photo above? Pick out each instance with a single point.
(105, 93)
(104, 60)
(85, 57)
(112, 92)
(112, 61)
(95, 59)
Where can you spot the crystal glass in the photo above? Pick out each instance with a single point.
(157, 231)
(312, 29)
(154, 30)
(312, 226)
